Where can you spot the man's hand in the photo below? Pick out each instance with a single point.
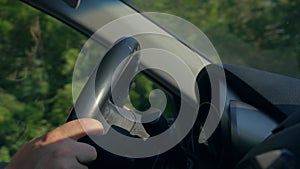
(59, 148)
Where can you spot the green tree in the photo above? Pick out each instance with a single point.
(37, 57)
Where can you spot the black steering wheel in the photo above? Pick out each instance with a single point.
(99, 83)
(94, 98)
(96, 94)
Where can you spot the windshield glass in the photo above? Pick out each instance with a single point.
(259, 34)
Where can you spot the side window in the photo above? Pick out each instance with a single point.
(37, 58)
(37, 55)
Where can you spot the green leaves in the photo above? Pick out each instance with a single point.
(260, 34)
(37, 58)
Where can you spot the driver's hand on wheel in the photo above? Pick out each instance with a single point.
(59, 148)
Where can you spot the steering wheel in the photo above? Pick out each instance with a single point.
(100, 81)
(118, 64)
(96, 94)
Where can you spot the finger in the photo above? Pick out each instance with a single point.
(84, 152)
(75, 129)
(78, 165)
(68, 163)
(126, 108)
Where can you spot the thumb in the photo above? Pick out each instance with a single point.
(75, 129)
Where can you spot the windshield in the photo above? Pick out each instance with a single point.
(260, 34)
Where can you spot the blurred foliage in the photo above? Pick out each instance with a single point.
(37, 59)
(38, 54)
(140, 90)
(261, 34)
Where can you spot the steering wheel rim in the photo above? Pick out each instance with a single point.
(99, 85)
(118, 56)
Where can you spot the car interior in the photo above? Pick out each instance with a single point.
(257, 111)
